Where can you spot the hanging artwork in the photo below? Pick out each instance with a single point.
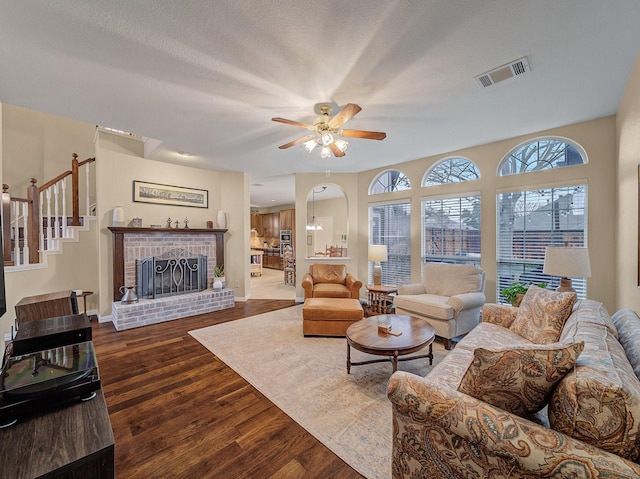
(144, 192)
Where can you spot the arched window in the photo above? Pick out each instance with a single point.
(451, 170)
(542, 154)
(528, 220)
(390, 180)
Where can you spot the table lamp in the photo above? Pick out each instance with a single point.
(377, 253)
(566, 262)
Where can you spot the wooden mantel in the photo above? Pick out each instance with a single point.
(119, 232)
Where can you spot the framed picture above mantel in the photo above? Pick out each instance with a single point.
(144, 192)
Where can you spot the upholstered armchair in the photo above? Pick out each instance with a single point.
(450, 298)
(330, 281)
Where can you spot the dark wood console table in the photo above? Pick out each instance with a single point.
(71, 443)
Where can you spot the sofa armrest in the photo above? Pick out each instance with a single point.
(413, 288)
(466, 301)
(354, 285)
(307, 285)
(499, 314)
(456, 423)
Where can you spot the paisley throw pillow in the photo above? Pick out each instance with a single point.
(521, 379)
(542, 314)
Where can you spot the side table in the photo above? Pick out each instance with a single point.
(84, 295)
(379, 295)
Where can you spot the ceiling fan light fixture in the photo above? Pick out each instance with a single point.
(311, 144)
(341, 144)
(327, 139)
(326, 130)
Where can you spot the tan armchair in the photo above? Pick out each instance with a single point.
(330, 281)
(450, 298)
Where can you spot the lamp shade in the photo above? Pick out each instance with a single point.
(378, 252)
(567, 262)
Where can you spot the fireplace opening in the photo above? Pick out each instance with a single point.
(175, 272)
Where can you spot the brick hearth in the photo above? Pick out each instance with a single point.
(151, 311)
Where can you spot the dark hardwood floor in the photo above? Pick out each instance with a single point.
(177, 411)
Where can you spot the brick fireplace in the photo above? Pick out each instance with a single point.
(131, 244)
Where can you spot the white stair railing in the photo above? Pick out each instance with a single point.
(40, 222)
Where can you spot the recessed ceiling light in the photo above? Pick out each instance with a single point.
(184, 154)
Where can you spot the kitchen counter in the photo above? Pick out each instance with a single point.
(271, 257)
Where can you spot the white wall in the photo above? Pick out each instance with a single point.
(38, 145)
(627, 237)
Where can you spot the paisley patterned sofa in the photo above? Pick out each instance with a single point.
(588, 428)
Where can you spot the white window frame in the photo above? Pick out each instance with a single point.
(397, 269)
(463, 239)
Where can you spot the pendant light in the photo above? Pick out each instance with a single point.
(314, 225)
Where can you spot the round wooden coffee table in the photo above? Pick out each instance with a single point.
(365, 336)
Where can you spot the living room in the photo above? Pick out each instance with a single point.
(35, 142)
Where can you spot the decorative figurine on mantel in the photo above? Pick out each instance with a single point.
(186, 223)
(169, 222)
(177, 224)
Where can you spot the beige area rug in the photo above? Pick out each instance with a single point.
(308, 380)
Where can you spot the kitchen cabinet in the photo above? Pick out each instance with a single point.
(286, 219)
(271, 225)
(256, 223)
(267, 224)
(271, 258)
(288, 222)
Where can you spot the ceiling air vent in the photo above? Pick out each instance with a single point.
(510, 70)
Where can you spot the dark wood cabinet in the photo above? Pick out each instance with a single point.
(266, 225)
(271, 258)
(75, 442)
(43, 306)
(257, 223)
(270, 225)
(286, 219)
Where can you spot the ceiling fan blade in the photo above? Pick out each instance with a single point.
(336, 151)
(368, 135)
(294, 123)
(348, 112)
(297, 142)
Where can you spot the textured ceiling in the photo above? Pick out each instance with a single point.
(206, 77)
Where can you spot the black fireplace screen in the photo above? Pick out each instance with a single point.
(173, 273)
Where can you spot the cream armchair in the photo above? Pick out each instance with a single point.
(330, 281)
(450, 298)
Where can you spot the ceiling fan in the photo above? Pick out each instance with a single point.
(325, 129)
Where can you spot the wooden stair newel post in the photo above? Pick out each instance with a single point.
(6, 224)
(75, 197)
(33, 197)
